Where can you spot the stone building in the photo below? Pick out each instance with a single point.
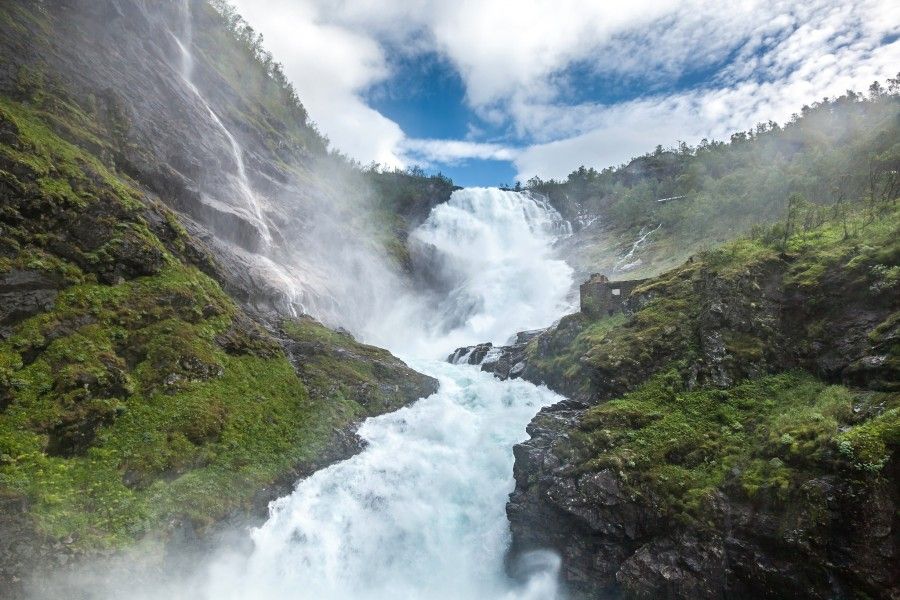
(602, 297)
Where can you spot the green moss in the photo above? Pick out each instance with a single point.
(174, 404)
(359, 378)
(870, 445)
(65, 173)
(145, 395)
(772, 434)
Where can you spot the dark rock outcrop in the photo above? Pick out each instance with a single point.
(829, 530)
(24, 293)
(505, 362)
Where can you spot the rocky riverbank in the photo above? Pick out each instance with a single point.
(733, 433)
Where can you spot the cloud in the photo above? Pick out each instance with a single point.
(534, 72)
(819, 57)
(330, 66)
(454, 151)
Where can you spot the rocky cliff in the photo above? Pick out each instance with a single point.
(153, 383)
(733, 434)
(179, 98)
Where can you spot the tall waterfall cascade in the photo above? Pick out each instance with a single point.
(419, 514)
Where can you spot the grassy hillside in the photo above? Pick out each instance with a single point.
(744, 411)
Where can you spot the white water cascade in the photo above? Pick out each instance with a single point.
(419, 514)
(491, 249)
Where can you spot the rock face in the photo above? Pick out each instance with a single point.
(115, 69)
(24, 293)
(505, 362)
(149, 387)
(681, 467)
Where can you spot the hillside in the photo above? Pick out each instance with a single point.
(651, 214)
(733, 432)
(147, 388)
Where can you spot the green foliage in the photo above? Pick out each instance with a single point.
(767, 435)
(838, 156)
(361, 379)
(676, 435)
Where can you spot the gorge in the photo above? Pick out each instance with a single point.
(236, 364)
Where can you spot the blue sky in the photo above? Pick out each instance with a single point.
(493, 91)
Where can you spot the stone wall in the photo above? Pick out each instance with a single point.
(602, 297)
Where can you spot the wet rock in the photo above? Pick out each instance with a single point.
(614, 536)
(24, 293)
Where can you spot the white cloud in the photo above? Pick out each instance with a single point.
(816, 60)
(515, 60)
(452, 151)
(330, 66)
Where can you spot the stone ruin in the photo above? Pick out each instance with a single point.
(601, 297)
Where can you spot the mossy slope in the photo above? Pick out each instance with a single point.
(134, 393)
(736, 431)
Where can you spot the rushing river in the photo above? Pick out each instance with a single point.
(419, 514)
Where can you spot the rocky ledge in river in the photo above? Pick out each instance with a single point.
(505, 362)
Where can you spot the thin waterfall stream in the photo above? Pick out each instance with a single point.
(243, 181)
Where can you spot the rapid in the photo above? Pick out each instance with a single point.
(420, 513)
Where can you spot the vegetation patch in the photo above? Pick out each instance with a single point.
(768, 436)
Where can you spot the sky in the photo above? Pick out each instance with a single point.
(494, 91)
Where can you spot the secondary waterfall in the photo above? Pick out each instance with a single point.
(243, 182)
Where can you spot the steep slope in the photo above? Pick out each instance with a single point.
(152, 380)
(135, 395)
(180, 96)
(734, 433)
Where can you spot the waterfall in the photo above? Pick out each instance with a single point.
(243, 182)
(625, 263)
(420, 513)
(491, 252)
